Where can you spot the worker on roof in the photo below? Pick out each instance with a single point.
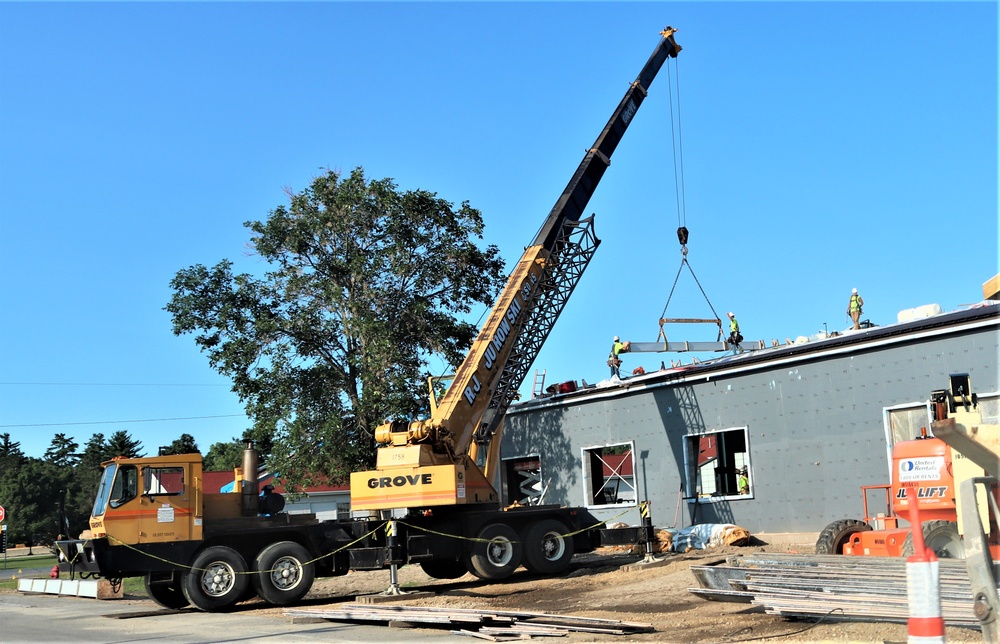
(734, 330)
(613, 360)
(854, 308)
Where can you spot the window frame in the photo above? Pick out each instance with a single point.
(588, 477)
(147, 480)
(129, 487)
(692, 478)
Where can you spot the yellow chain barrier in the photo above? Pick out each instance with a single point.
(69, 560)
(478, 540)
(248, 572)
(644, 509)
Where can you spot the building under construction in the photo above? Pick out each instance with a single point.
(810, 422)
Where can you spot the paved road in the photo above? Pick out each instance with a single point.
(50, 618)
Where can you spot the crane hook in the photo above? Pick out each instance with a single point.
(682, 237)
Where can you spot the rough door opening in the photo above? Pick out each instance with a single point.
(522, 480)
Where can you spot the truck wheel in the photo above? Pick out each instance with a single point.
(217, 579)
(283, 573)
(831, 541)
(941, 537)
(497, 555)
(166, 592)
(444, 569)
(546, 550)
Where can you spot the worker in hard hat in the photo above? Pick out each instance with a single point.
(854, 308)
(742, 482)
(734, 330)
(614, 361)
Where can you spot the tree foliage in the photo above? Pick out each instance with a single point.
(31, 495)
(9, 448)
(46, 497)
(223, 456)
(62, 451)
(121, 444)
(186, 444)
(365, 282)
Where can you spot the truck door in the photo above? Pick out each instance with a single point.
(165, 506)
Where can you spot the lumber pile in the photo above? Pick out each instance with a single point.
(491, 625)
(840, 587)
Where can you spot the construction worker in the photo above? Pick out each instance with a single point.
(613, 360)
(743, 483)
(734, 330)
(854, 308)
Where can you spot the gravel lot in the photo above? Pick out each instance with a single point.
(599, 586)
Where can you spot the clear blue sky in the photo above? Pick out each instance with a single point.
(826, 146)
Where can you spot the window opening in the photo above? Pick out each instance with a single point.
(903, 422)
(164, 481)
(609, 475)
(718, 466)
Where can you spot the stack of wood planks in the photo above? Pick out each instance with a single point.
(492, 625)
(839, 587)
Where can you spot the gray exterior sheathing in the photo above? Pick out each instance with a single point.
(814, 421)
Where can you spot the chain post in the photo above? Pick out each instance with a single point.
(647, 531)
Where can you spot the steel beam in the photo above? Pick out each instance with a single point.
(681, 347)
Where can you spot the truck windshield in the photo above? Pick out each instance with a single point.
(104, 490)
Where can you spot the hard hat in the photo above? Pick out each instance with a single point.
(730, 314)
(616, 338)
(854, 290)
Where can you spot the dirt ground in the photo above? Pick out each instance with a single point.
(598, 586)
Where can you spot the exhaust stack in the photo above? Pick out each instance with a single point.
(250, 493)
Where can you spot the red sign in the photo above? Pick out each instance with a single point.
(2, 513)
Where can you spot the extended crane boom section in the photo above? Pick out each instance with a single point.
(449, 458)
(573, 201)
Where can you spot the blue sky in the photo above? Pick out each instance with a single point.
(826, 146)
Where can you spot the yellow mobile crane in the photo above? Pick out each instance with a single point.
(154, 518)
(451, 458)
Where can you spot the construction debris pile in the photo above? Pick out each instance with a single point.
(832, 586)
(493, 625)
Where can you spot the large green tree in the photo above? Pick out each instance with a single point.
(30, 494)
(364, 283)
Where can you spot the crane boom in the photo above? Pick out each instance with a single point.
(573, 201)
(448, 458)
